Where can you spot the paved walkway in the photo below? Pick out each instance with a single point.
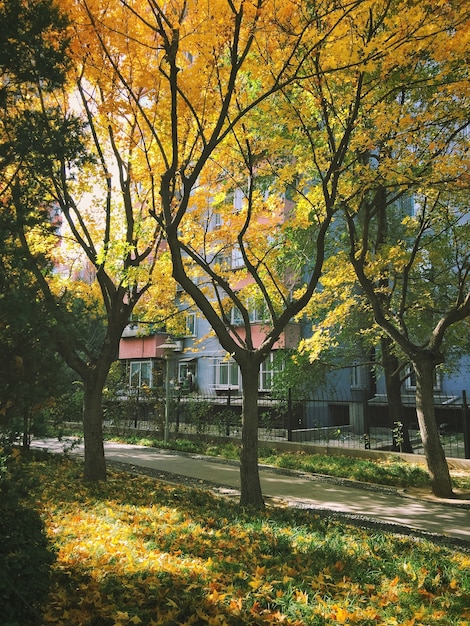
(449, 518)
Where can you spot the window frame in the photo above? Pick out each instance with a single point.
(237, 258)
(256, 314)
(238, 199)
(186, 366)
(231, 367)
(268, 369)
(217, 220)
(191, 332)
(356, 375)
(410, 381)
(139, 363)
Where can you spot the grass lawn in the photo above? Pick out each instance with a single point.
(138, 551)
(391, 471)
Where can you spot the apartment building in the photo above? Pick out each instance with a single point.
(197, 363)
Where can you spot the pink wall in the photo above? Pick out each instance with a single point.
(141, 347)
(288, 339)
(147, 347)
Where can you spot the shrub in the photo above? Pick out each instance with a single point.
(25, 557)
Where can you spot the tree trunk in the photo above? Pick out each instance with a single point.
(396, 410)
(441, 483)
(26, 429)
(251, 494)
(95, 464)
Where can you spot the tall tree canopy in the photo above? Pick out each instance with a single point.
(238, 131)
(200, 75)
(247, 99)
(70, 163)
(33, 50)
(34, 44)
(409, 88)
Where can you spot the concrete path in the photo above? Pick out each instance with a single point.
(447, 518)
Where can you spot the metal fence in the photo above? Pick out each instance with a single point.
(331, 420)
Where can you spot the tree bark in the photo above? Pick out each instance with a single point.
(95, 463)
(251, 494)
(396, 411)
(441, 483)
(26, 428)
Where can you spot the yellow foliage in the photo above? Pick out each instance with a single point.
(180, 556)
(175, 83)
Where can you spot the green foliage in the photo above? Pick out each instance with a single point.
(45, 143)
(25, 554)
(32, 378)
(198, 414)
(185, 445)
(31, 48)
(66, 407)
(116, 380)
(226, 450)
(295, 371)
(33, 63)
(392, 472)
(33, 57)
(180, 445)
(227, 419)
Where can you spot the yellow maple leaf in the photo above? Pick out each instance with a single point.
(236, 604)
(255, 583)
(121, 616)
(301, 597)
(341, 615)
(420, 613)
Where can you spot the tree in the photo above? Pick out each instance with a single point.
(68, 151)
(32, 51)
(415, 315)
(203, 77)
(345, 333)
(31, 374)
(229, 96)
(408, 83)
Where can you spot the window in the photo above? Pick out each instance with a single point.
(356, 377)
(218, 221)
(237, 258)
(227, 374)
(238, 197)
(229, 258)
(187, 374)
(267, 372)
(223, 260)
(140, 374)
(410, 382)
(191, 324)
(407, 205)
(237, 319)
(257, 313)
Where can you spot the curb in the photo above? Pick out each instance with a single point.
(346, 482)
(359, 521)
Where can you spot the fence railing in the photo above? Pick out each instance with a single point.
(326, 420)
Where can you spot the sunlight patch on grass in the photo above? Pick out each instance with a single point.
(137, 551)
(391, 471)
